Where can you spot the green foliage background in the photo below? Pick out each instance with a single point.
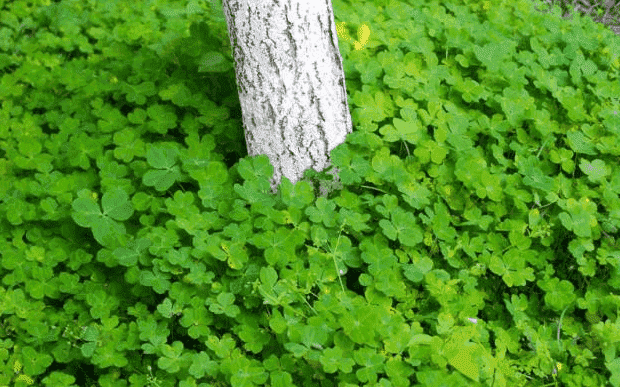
(474, 240)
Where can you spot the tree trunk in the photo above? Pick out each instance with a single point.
(290, 81)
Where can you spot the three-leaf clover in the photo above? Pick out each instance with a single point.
(105, 224)
(166, 172)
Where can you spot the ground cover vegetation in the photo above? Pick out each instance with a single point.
(606, 12)
(474, 240)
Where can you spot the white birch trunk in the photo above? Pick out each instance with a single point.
(290, 81)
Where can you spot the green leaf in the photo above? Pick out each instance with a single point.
(614, 367)
(129, 145)
(213, 61)
(389, 167)
(163, 158)
(403, 227)
(35, 363)
(280, 379)
(86, 212)
(517, 237)
(248, 375)
(156, 280)
(371, 108)
(579, 143)
(315, 334)
(559, 294)
(211, 182)
(512, 267)
(225, 305)
(161, 180)
(203, 365)
(116, 204)
(322, 212)
(223, 347)
(402, 131)
(416, 271)
(277, 322)
(280, 245)
(256, 172)
(372, 363)
(359, 324)
(355, 220)
(579, 216)
(29, 148)
(492, 54)
(461, 356)
(172, 359)
(255, 337)
(165, 308)
(596, 170)
(90, 334)
(153, 332)
(129, 255)
(333, 360)
(268, 277)
(297, 350)
(180, 257)
(138, 93)
(199, 275)
(162, 117)
(197, 319)
(415, 194)
(178, 93)
(105, 229)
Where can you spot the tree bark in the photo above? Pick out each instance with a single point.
(290, 81)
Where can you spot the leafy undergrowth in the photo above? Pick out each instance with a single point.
(606, 12)
(473, 241)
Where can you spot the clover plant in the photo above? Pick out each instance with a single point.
(472, 238)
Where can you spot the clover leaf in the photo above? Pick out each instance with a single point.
(166, 172)
(371, 362)
(333, 360)
(173, 358)
(402, 226)
(579, 217)
(91, 335)
(116, 207)
(559, 294)
(225, 305)
(129, 255)
(202, 365)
